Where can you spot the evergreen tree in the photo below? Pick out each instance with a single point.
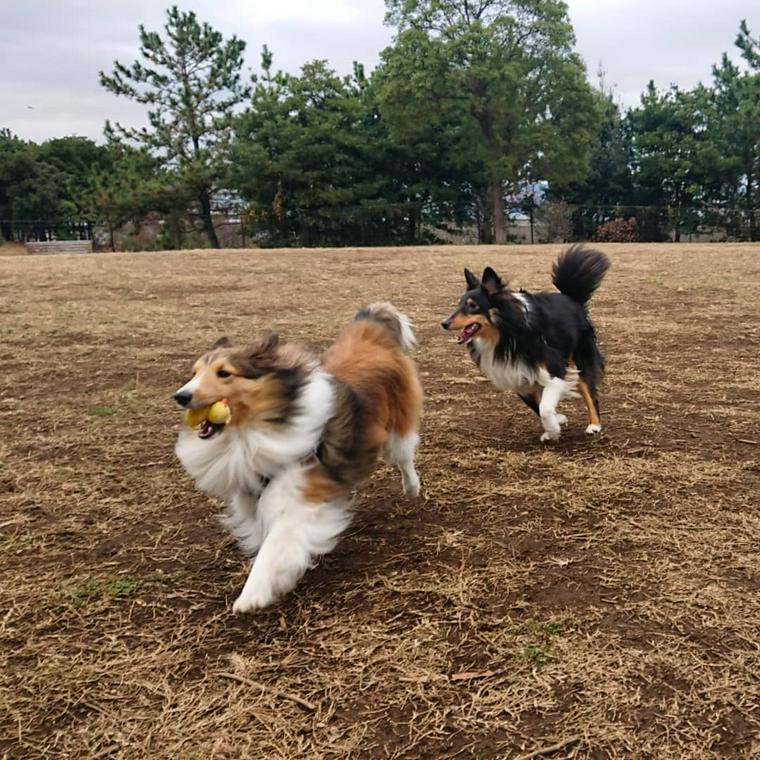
(76, 160)
(314, 159)
(41, 186)
(671, 150)
(190, 80)
(303, 155)
(129, 189)
(734, 128)
(501, 76)
(610, 179)
(749, 46)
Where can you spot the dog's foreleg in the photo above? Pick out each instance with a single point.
(243, 519)
(551, 395)
(399, 451)
(297, 532)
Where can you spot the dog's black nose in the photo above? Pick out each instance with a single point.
(446, 324)
(183, 397)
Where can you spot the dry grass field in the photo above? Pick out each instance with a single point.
(597, 598)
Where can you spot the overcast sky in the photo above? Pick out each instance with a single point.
(52, 50)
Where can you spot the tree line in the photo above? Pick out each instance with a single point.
(473, 104)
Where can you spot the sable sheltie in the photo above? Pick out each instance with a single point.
(541, 345)
(302, 434)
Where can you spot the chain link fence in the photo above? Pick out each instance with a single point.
(403, 224)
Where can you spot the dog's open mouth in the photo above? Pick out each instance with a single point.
(209, 429)
(468, 333)
(209, 420)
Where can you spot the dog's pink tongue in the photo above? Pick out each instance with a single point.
(467, 333)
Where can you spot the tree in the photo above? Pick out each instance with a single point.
(303, 156)
(672, 152)
(749, 45)
(502, 78)
(76, 160)
(129, 188)
(610, 180)
(17, 161)
(698, 151)
(190, 80)
(609, 183)
(734, 128)
(31, 189)
(314, 159)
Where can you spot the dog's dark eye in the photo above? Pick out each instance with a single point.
(222, 373)
(473, 308)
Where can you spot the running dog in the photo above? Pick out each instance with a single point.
(302, 434)
(541, 345)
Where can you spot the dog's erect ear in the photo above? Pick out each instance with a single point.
(472, 281)
(223, 342)
(259, 358)
(269, 343)
(492, 283)
(264, 348)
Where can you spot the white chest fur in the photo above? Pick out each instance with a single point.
(237, 458)
(509, 374)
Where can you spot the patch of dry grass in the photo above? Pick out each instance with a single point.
(597, 596)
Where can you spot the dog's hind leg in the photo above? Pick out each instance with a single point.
(590, 363)
(399, 451)
(302, 523)
(592, 406)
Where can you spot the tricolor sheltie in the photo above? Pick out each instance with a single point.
(541, 345)
(302, 434)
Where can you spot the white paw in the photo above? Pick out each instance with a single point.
(593, 429)
(549, 437)
(250, 601)
(562, 419)
(412, 488)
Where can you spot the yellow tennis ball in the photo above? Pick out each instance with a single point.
(194, 417)
(219, 413)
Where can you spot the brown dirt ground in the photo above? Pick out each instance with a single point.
(13, 249)
(600, 595)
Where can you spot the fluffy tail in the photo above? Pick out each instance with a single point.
(578, 272)
(396, 322)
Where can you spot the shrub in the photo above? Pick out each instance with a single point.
(617, 231)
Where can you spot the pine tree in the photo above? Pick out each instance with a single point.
(190, 80)
(315, 162)
(669, 139)
(736, 125)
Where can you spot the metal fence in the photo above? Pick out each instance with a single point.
(679, 223)
(23, 230)
(553, 221)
